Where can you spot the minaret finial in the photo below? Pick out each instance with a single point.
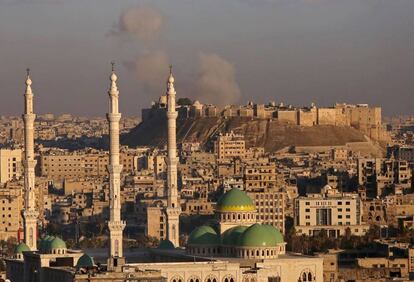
(28, 72)
(113, 66)
(170, 69)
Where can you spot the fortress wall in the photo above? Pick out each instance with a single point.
(287, 116)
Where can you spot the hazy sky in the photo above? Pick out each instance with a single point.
(232, 51)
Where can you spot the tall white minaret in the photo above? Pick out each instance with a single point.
(173, 206)
(115, 224)
(30, 213)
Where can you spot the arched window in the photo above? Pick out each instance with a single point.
(304, 277)
(309, 276)
(228, 278)
(31, 236)
(116, 248)
(194, 279)
(177, 279)
(211, 278)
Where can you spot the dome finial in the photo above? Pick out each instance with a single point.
(113, 77)
(171, 77)
(28, 80)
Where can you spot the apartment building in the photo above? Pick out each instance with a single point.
(229, 146)
(65, 165)
(270, 207)
(259, 175)
(329, 211)
(10, 164)
(11, 203)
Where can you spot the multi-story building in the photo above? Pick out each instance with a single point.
(10, 164)
(259, 175)
(11, 202)
(270, 207)
(229, 146)
(65, 165)
(379, 174)
(332, 212)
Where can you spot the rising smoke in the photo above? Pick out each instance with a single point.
(216, 80)
(151, 69)
(142, 22)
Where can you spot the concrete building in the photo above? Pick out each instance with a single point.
(11, 202)
(270, 207)
(229, 146)
(259, 175)
(10, 164)
(332, 212)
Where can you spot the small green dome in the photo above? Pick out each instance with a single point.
(235, 200)
(259, 235)
(276, 233)
(204, 235)
(22, 247)
(46, 243)
(43, 242)
(166, 245)
(57, 243)
(231, 236)
(85, 261)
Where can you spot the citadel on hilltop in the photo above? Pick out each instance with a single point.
(366, 119)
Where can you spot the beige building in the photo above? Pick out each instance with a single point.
(10, 164)
(230, 145)
(67, 165)
(334, 213)
(11, 203)
(270, 207)
(259, 176)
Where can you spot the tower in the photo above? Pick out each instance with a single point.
(115, 224)
(173, 206)
(30, 213)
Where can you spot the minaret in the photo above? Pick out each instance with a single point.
(30, 213)
(115, 224)
(173, 206)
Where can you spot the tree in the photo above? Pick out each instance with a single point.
(184, 102)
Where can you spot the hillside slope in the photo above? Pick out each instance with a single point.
(270, 134)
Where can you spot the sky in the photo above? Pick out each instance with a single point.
(223, 52)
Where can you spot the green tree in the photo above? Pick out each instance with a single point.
(184, 102)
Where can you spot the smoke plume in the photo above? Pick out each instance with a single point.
(142, 22)
(151, 70)
(216, 81)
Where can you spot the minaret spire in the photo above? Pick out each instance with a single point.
(115, 224)
(173, 206)
(30, 213)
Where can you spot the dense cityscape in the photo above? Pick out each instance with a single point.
(206, 141)
(207, 206)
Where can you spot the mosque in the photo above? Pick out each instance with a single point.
(233, 248)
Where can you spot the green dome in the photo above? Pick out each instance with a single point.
(43, 242)
(166, 245)
(276, 233)
(231, 236)
(57, 243)
(204, 235)
(85, 261)
(46, 243)
(259, 235)
(235, 200)
(22, 247)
